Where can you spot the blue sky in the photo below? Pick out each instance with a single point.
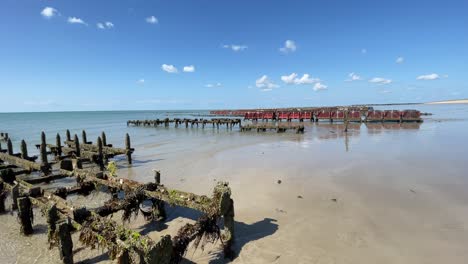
(60, 55)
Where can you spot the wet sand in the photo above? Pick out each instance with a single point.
(379, 194)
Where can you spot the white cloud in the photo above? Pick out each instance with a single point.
(235, 47)
(152, 20)
(265, 83)
(364, 51)
(289, 46)
(400, 60)
(212, 85)
(320, 87)
(189, 68)
(289, 79)
(141, 81)
(379, 80)
(49, 12)
(305, 79)
(353, 77)
(106, 25)
(76, 20)
(169, 68)
(429, 77)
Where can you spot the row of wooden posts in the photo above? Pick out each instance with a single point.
(228, 122)
(62, 218)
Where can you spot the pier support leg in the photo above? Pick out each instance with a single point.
(25, 215)
(65, 243)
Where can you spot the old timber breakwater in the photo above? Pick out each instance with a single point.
(282, 121)
(20, 176)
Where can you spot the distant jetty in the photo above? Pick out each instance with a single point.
(457, 101)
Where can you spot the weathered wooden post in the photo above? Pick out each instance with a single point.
(68, 135)
(123, 256)
(157, 177)
(103, 138)
(128, 148)
(83, 137)
(100, 154)
(14, 196)
(25, 215)
(58, 144)
(65, 242)
(52, 218)
(346, 121)
(77, 146)
(226, 209)
(24, 150)
(3, 194)
(9, 147)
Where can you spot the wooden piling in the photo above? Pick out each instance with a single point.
(157, 177)
(83, 137)
(25, 215)
(68, 135)
(14, 196)
(3, 194)
(9, 147)
(24, 150)
(100, 154)
(44, 155)
(103, 138)
(65, 243)
(52, 218)
(77, 146)
(128, 148)
(58, 145)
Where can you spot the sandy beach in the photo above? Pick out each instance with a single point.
(460, 101)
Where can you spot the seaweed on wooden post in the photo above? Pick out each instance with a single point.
(25, 215)
(65, 243)
(3, 194)
(222, 194)
(14, 196)
(68, 135)
(52, 218)
(24, 150)
(58, 144)
(77, 146)
(103, 138)
(9, 147)
(128, 148)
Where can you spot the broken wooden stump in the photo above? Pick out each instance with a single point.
(58, 145)
(65, 242)
(77, 146)
(25, 215)
(9, 147)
